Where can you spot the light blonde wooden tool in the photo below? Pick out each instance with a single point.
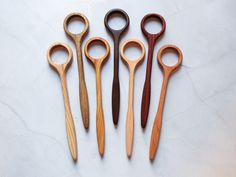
(98, 63)
(61, 70)
(167, 71)
(78, 38)
(132, 65)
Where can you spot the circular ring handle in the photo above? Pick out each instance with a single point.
(69, 18)
(91, 42)
(126, 44)
(116, 11)
(164, 50)
(160, 18)
(58, 46)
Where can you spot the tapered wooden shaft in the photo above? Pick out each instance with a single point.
(130, 114)
(100, 127)
(83, 94)
(156, 130)
(70, 128)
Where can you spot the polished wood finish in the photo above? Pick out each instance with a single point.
(78, 38)
(98, 63)
(151, 38)
(167, 71)
(61, 70)
(132, 65)
(116, 34)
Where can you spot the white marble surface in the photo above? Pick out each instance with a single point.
(199, 127)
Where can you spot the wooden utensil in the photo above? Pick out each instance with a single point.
(61, 70)
(167, 71)
(98, 63)
(151, 38)
(78, 38)
(116, 34)
(132, 65)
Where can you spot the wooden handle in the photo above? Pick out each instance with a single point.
(83, 94)
(167, 70)
(130, 116)
(69, 119)
(115, 100)
(61, 70)
(116, 84)
(100, 127)
(132, 65)
(152, 38)
(116, 34)
(145, 103)
(158, 120)
(77, 38)
(147, 86)
(97, 63)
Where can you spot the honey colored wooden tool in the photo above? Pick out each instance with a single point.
(132, 65)
(151, 38)
(167, 72)
(116, 34)
(61, 70)
(98, 63)
(78, 38)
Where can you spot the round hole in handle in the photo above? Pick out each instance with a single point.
(59, 55)
(116, 21)
(151, 18)
(97, 50)
(153, 25)
(116, 15)
(56, 47)
(59, 50)
(91, 44)
(73, 21)
(129, 44)
(164, 52)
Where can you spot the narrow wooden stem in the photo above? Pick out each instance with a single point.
(84, 103)
(116, 83)
(158, 119)
(130, 114)
(100, 125)
(147, 85)
(71, 135)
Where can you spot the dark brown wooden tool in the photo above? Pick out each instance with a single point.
(151, 38)
(116, 34)
(167, 72)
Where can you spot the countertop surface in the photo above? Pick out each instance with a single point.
(198, 137)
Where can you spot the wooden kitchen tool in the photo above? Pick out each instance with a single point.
(167, 72)
(151, 38)
(116, 34)
(132, 65)
(98, 63)
(78, 38)
(61, 70)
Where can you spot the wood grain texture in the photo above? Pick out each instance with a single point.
(98, 63)
(167, 71)
(100, 126)
(151, 38)
(116, 34)
(61, 70)
(78, 38)
(132, 65)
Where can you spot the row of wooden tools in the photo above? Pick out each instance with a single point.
(97, 63)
